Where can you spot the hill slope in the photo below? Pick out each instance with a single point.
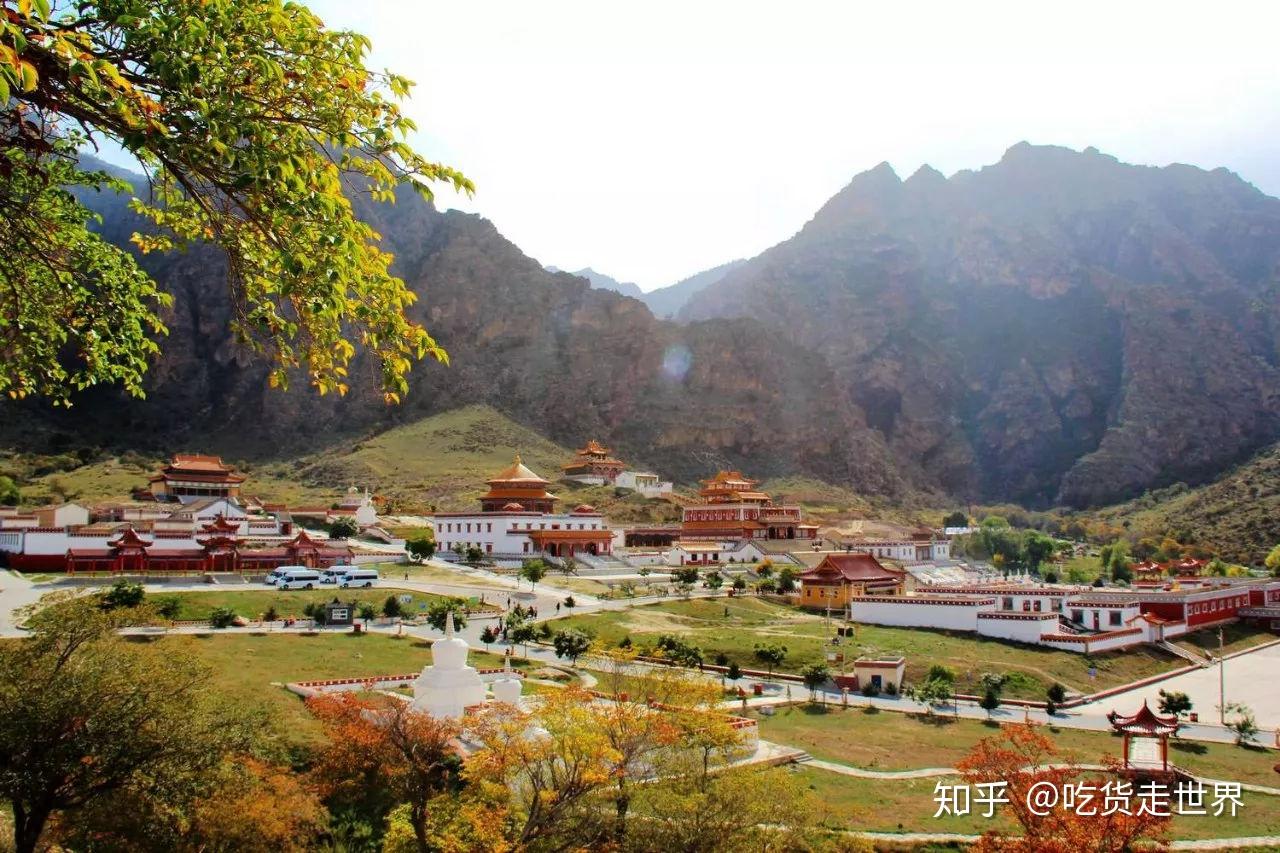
(1237, 515)
(1057, 327)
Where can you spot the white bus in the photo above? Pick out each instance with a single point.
(334, 574)
(358, 577)
(279, 572)
(299, 577)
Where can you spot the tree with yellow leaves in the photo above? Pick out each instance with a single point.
(254, 123)
(555, 762)
(380, 754)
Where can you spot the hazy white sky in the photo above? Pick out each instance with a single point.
(653, 140)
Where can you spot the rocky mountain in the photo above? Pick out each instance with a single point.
(1059, 327)
(601, 281)
(545, 349)
(666, 302)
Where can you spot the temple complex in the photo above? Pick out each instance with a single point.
(192, 520)
(518, 520)
(593, 465)
(732, 508)
(191, 477)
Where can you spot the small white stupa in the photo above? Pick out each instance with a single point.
(449, 686)
(507, 687)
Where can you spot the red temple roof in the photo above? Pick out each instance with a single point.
(129, 538)
(850, 567)
(195, 466)
(1144, 722)
(220, 524)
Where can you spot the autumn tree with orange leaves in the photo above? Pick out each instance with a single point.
(1024, 758)
(378, 755)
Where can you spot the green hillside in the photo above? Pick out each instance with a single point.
(439, 461)
(442, 461)
(1238, 515)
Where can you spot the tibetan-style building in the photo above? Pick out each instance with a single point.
(593, 465)
(841, 577)
(191, 477)
(517, 520)
(516, 487)
(732, 508)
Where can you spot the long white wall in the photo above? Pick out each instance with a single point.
(1022, 627)
(906, 612)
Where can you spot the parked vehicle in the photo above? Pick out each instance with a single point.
(298, 577)
(359, 577)
(276, 574)
(334, 574)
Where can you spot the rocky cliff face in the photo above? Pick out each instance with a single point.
(1058, 327)
(545, 348)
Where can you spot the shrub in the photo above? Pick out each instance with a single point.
(123, 594)
(870, 689)
(169, 607)
(222, 617)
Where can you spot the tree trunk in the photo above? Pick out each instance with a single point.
(28, 826)
(418, 816)
(621, 803)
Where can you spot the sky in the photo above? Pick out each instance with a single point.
(654, 140)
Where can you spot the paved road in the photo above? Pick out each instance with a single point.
(1252, 679)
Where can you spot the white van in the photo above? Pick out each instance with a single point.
(298, 577)
(334, 574)
(279, 572)
(358, 577)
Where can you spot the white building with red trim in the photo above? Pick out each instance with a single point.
(1080, 619)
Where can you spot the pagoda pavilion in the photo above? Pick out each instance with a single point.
(1146, 739)
(593, 464)
(191, 477)
(733, 508)
(516, 487)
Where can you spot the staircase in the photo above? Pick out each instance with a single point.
(1186, 654)
(603, 563)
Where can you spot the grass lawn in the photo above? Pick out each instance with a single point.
(908, 805)
(247, 667)
(251, 603)
(733, 626)
(886, 740)
(1236, 637)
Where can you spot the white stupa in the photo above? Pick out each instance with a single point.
(449, 686)
(507, 687)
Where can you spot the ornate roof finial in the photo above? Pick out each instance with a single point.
(517, 458)
(448, 623)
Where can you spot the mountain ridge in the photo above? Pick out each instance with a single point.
(1078, 265)
(1058, 327)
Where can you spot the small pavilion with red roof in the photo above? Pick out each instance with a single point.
(1146, 739)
